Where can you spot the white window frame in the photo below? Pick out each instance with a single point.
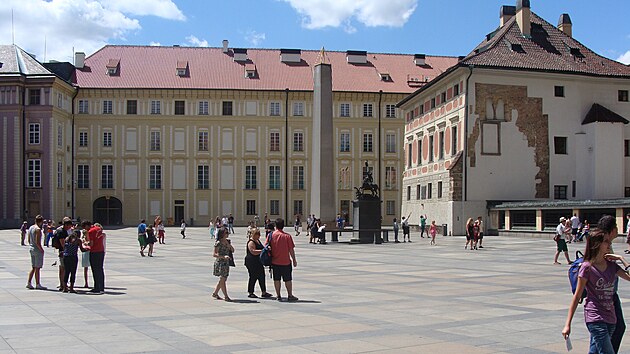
(298, 109)
(83, 176)
(368, 110)
(107, 138)
(34, 168)
(34, 134)
(202, 108)
(107, 176)
(156, 107)
(298, 177)
(344, 142)
(83, 138)
(155, 139)
(275, 182)
(390, 111)
(203, 140)
(298, 142)
(390, 143)
(155, 177)
(84, 106)
(368, 142)
(59, 174)
(274, 109)
(344, 110)
(251, 181)
(203, 177)
(108, 107)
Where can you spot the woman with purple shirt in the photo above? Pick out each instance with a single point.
(597, 275)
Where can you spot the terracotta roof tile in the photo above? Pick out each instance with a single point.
(210, 68)
(548, 49)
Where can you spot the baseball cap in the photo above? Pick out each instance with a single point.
(563, 219)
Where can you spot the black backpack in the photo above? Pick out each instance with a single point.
(58, 234)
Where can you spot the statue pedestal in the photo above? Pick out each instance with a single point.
(366, 220)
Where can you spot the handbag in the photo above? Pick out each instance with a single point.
(232, 264)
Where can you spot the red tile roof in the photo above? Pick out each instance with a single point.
(548, 49)
(210, 68)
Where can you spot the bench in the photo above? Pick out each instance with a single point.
(378, 240)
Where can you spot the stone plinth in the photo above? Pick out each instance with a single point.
(366, 220)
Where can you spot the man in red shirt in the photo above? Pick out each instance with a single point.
(96, 241)
(282, 256)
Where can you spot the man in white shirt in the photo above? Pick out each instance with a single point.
(575, 225)
(561, 245)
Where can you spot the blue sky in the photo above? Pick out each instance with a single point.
(436, 27)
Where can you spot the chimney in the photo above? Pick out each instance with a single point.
(565, 25)
(523, 17)
(506, 13)
(225, 46)
(79, 60)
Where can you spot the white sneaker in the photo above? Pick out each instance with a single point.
(29, 286)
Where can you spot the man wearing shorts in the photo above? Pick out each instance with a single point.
(480, 221)
(561, 244)
(37, 253)
(282, 256)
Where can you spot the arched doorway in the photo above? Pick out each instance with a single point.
(107, 211)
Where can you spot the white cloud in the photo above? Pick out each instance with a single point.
(155, 44)
(338, 13)
(625, 58)
(255, 38)
(196, 42)
(82, 25)
(160, 8)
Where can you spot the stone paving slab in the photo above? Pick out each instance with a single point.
(389, 298)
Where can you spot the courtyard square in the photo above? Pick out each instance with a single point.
(392, 298)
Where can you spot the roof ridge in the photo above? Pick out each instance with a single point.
(502, 32)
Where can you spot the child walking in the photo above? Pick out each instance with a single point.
(433, 232)
(597, 275)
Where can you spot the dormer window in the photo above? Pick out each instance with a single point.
(385, 77)
(112, 67)
(576, 52)
(356, 56)
(290, 55)
(250, 71)
(182, 68)
(419, 59)
(240, 54)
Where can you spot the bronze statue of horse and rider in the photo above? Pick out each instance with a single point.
(368, 185)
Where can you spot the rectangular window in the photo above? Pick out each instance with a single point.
(441, 145)
(390, 111)
(107, 177)
(559, 192)
(454, 140)
(60, 135)
(344, 142)
(418, 191)
(298, 207)
(156, 141)
(344, 110)
(367, 142)
(274, 207)
(35, 173)
(274, 108)
(251, 207)
(132, 107)
(203, 108)
(558, 91)
(83, 176)
(439, 189)
(108, 107)
(419, 152)
(421, 109)
(622, 95)
(390, 177)
(227, 108)
(34, 136)
(456, 90)
(298, 177)
(298, 141)
(83, 106)
(345, 178)
(274, 141)
(59, 100)
(390, 207)
(573, 188)
(156, 107)
(107, 139)
(202, 140)
(626, 148)
(433, 103)
(274, 177)
(560, 145)
(59, 174)
(34, 96)
(390, 143)
(250, 177)
(429, 190)
(155, 177)
(423, 192)
(298, 108)
(409, 154)
(180, 108)
(203, 177)
(443, 97)
(83, 139)
(367, 110)
(627, 192)
(408, 192)
(430, 148)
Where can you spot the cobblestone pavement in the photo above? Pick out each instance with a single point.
(396, 298)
